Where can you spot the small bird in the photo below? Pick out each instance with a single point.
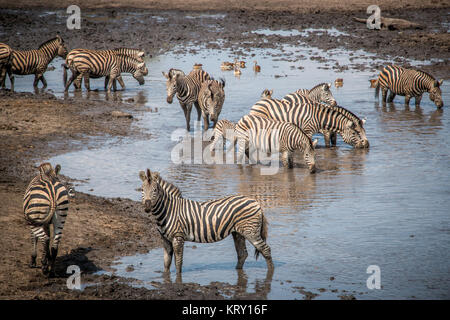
(339, 82)
(198, 66)
(256, 67)
(237, 71)
(227, 65)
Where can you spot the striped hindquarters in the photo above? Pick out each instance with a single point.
(5, 53)
(42, 198)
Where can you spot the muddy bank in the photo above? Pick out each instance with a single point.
(158, 31)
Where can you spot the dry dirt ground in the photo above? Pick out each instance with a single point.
(36, 126)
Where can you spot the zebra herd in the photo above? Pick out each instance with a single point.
(271, 125)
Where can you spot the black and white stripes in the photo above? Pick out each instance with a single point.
(409, 83)
(179, 220)
(46, 202)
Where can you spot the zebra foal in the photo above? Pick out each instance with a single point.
(179, 220)
(46, 203)
(409, 83)
(267, 135)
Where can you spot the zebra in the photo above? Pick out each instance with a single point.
(97, 64)
(179, 220)
(5, 60)
(409, 83)
(134, 53)
(210, 99)
(269, 135)
(223, 129)
(319, 93)
(45, 203)
(35, 61)
(187, 89)
(312, 117)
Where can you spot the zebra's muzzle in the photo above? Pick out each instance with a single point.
(169, 100)
(147, 206)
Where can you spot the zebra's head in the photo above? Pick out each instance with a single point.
(62, 50)
(435, 93)
(354, 135)
(323, 94)
(214, 97)
(266, 94)
(310, 156)
(171, 83)
(140, 72)
(46, 171)
(150, 189)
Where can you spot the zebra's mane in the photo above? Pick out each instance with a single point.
(50, 41)
(169, 188)
(426, 73)
(319, 85)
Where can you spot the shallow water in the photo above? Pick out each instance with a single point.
(386, 206)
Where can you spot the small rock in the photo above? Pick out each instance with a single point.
(121, 114)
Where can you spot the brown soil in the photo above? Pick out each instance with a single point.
(35, 127)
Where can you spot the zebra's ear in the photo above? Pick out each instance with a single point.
(314, 143)
(165, 75)
(149, 175)
(141, 54)
(156, 176)
(363, 120)
(142, 176)
(270, 92)
(327, 86)
(57, 169)
(441, 82)
(222, 82)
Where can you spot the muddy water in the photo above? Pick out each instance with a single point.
(386, 206)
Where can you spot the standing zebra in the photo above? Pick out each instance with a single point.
(269, 135)
(187, 89)
(35, 61)
(409, 83)
(97, 64)
(179, 220)
(311, 117)
(46, 202)
(134, 53)
(210, 98)
(320, 93)
(5, 60)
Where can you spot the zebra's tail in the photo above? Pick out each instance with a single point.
(65, 67)
(263, 234)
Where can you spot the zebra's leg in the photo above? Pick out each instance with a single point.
(199, 110)
(44, 82)
(87, 84)
(290, 160)
(418, 99)
(384, 94)
(391, 96)
(3, 77)
(58, 225)
(333, 138)
(262, 247)
(178, 246)
(326, 138)
(285, 158)
(168, 254)
(106, 82)
(36, 80)
(187, 114)
(34, 240)
(241, 249)
(44, 236)
(122, 84)
(205, 122)
(407, 98)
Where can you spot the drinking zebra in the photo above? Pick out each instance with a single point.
(179, 220)
(311, 117)
(46, 202)
(134, 53)
(95, 64)
(210, 98)
(5, 60)
(409, 83)
(187, 89)
(35, 61)
(262, 134)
